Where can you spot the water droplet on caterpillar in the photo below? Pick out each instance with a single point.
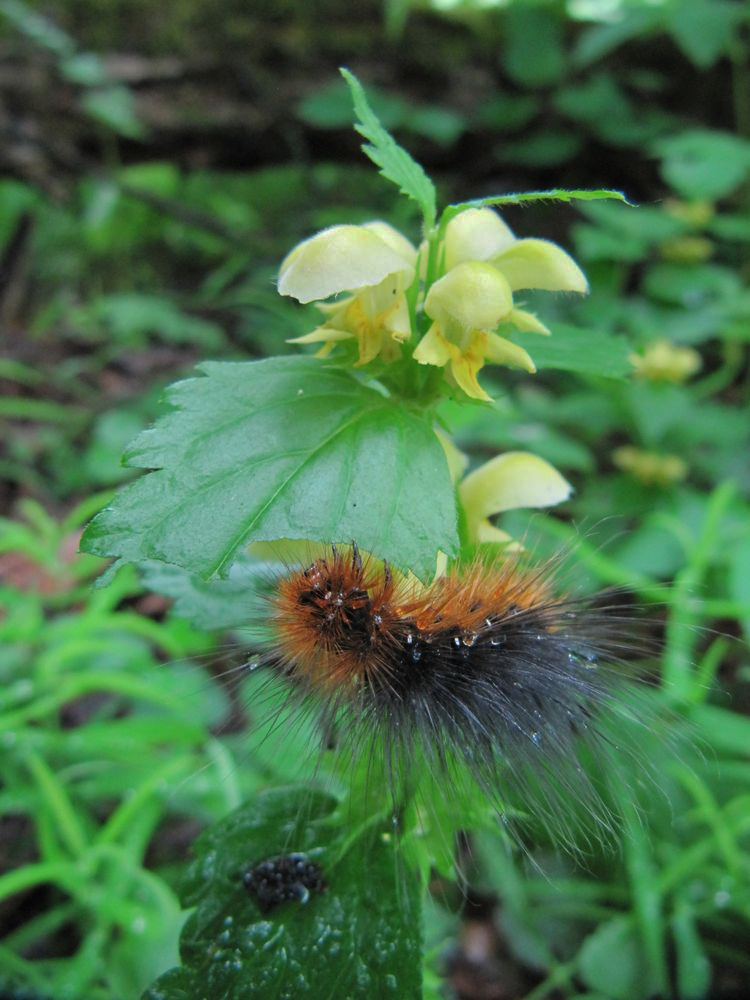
(469, 638)
(583, 658)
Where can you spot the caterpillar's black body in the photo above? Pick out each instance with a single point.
(485, 667)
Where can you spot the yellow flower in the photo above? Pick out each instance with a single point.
(687, 249)
(515, 480)
(653, 468)
(696, 214)
(466, 305)
(480, 234)
(375, 263)
(663, 361)
(476, 234)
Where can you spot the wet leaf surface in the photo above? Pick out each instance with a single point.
(358, 937)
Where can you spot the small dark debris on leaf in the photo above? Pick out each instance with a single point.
(279, 880)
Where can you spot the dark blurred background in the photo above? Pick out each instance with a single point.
(158, 160)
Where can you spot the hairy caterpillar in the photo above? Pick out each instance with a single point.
(486, 672)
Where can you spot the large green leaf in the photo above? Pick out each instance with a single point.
(282, 448)
(394, 162)
(358, 938)
(612, 961)
(703, 28)
(534, 52)
(585, 351)
(700, 163)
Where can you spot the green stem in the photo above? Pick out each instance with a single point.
(680, 638)
(118, 822)
(34, 875)
(61, 810)
(724, 376)
(86, 684)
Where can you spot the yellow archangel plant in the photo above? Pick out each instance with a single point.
(362, 277)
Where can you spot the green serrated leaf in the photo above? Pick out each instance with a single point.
(360, 937)
(282, 448)
(210, 604)
(555, 194)
(574, 350)
(394, 163)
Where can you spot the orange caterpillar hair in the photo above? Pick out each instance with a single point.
(485, 667)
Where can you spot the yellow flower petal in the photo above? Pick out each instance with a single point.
(503, 352)
(663, 361)
(516, 479)
(651, 467)
(396, 241)
(464, 369)
(390, 349)
(457, 460)
(441, 564)
(333, 308)
(527, 322)
(433, 348)
(473, 296)
(291, 551)
(323, 333)
(339, 259)
(398, 323)
(370, 345)
(540, 264)
(488, 533)
(476, 234)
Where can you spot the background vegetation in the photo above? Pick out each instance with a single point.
(157, 163)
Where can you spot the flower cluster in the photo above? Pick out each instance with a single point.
(455, 312)
(375, 264)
